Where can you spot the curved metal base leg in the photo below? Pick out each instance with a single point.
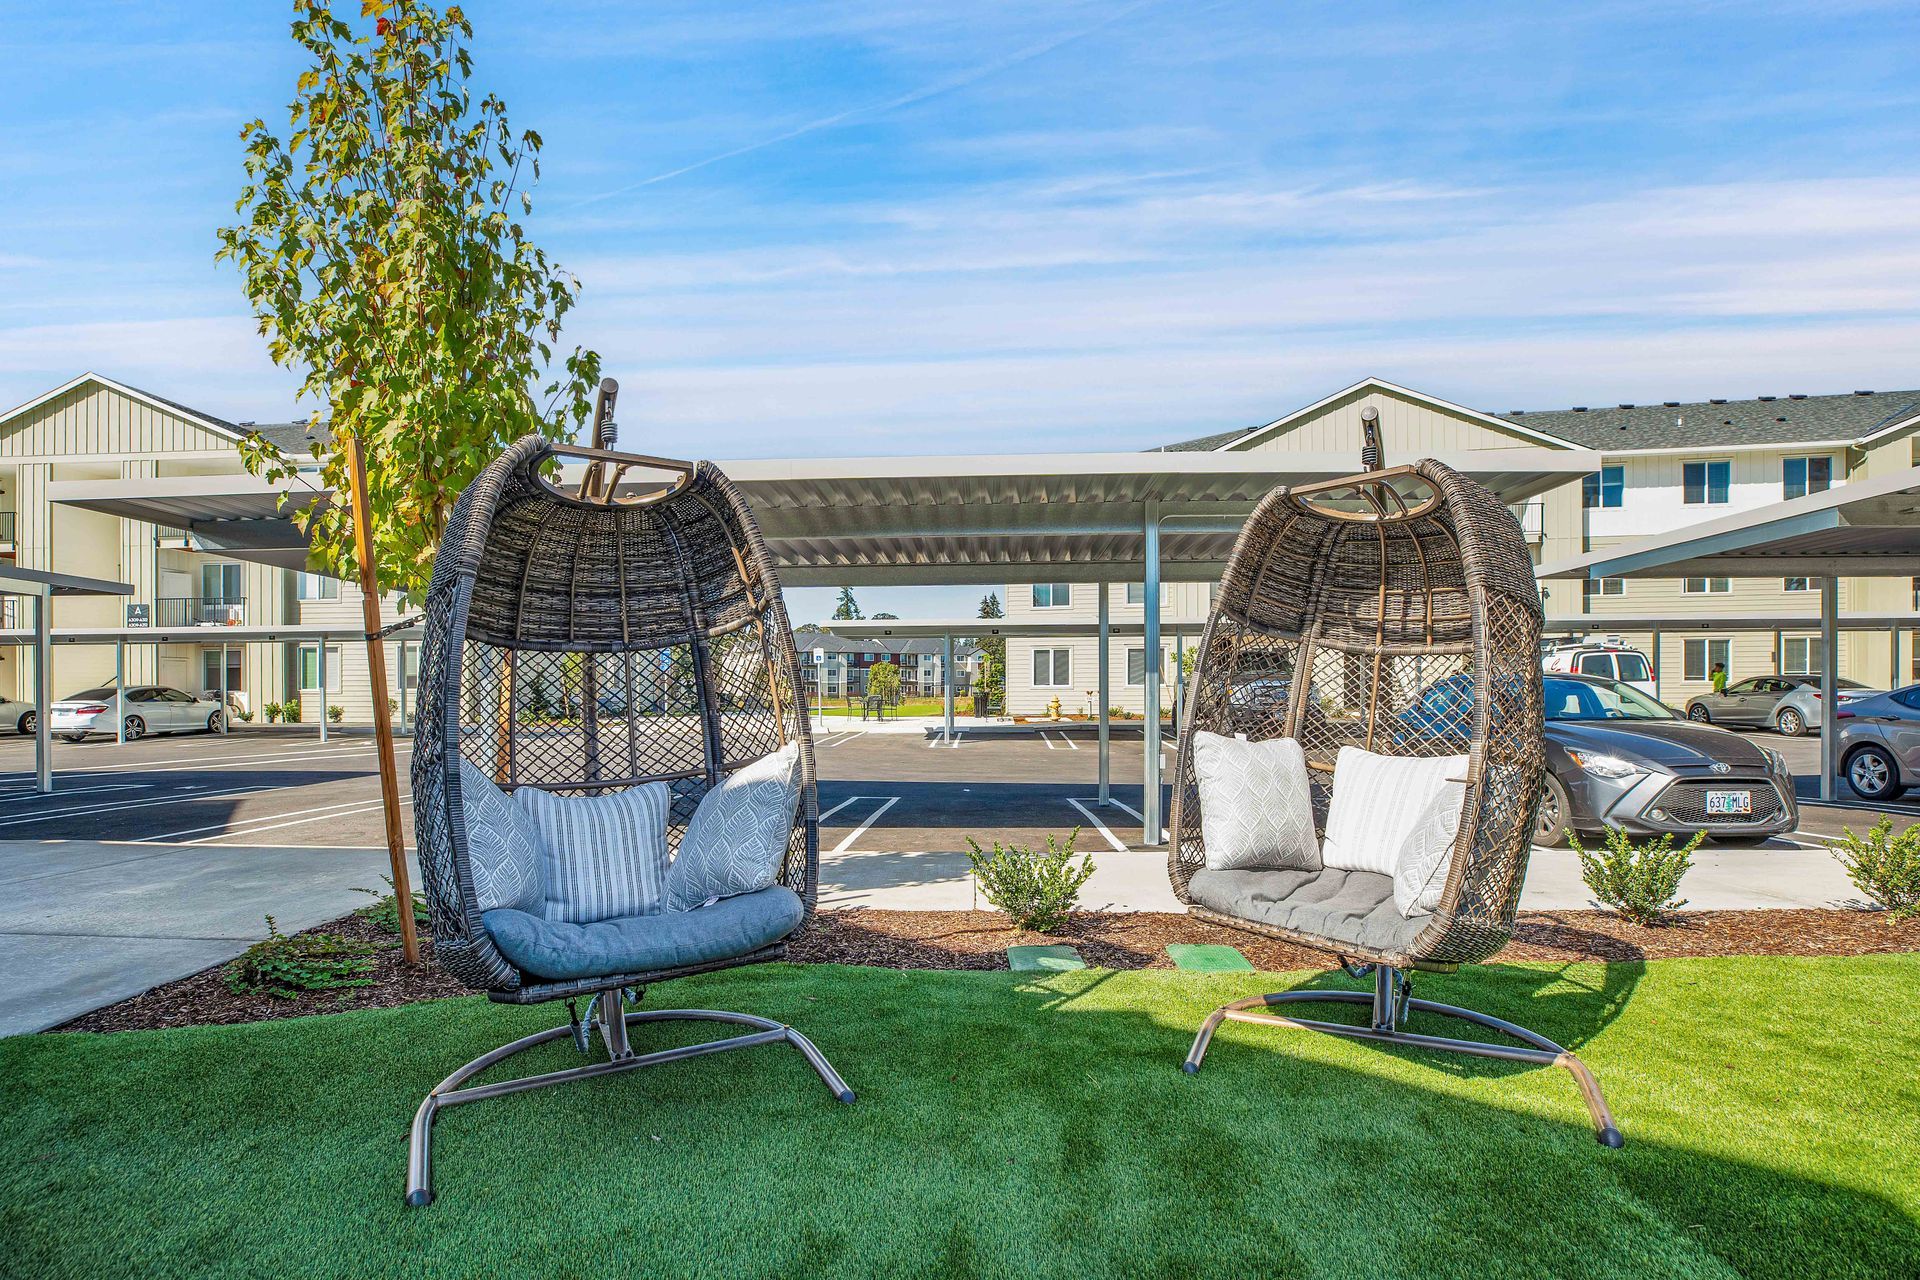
(448, 1093)
(1387, 1018)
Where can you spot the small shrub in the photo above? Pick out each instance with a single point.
(246, 716)
(1037, 890)
(384, 913)
(290, 710)
(1884, 866)
(1638, 880)
(335, 713)
(272, 712)
(283, 967)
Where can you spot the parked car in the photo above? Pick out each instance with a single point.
(1752, 703)
(146, 709)
(1618, 758)
(17, 714)
(1880, 743)
(1602, 662)
(1799, 711)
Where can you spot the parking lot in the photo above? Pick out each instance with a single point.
(156, 858)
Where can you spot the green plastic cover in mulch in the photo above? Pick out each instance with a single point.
(1050, 959)
(1208, 957)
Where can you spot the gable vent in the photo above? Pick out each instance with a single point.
(1769, 397)
(1672, 404)
(1863, 393)
(1579, 408)
(1720, 401)
(1800, 395)
(1626, 406)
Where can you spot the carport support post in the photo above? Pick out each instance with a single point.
(1150, 798)
(377, 686)
(42, 693)
(321, 662)
(946, 680)
(223, 689)
(119, 688)
(1106, 639)
(1179, 682)
(1829, 681)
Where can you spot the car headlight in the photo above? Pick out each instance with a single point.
(1776, 762)
(1605, 766)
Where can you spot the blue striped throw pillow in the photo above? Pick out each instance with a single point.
(606, 855)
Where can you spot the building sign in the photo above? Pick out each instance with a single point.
(139, 615)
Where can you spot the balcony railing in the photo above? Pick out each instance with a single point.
(199, 611)
(6, 525)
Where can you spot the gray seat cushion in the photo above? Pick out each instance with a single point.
(558, 952)
(1354, 907)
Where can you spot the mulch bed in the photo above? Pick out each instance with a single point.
(1107, 940)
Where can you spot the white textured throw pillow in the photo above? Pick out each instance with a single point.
(606, 855)
(1428, 853)
(739, 834)
(1256, 809)
(504, 852)
(1376, 802)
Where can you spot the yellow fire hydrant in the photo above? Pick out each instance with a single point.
(1053, 708)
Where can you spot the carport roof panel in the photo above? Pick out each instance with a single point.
(1868, 528)
(853, 521)
(15, 580)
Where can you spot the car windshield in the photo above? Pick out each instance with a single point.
(91, 695)
(1632, 666)
(1596, 700)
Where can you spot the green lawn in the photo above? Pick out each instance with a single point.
(907, 707)
(1008, 1124)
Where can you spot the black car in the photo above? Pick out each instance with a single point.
(1617, 758)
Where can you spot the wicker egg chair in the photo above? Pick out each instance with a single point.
(585, 644)
(1394, 611)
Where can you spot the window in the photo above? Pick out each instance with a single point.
(221, 581)
(1802, 476)
(1797, 584)
(1802, 655)
(310, 668)
(1597, 664)
(1707, 586)
(1137, 593)
(1604, 487)
(317, 586)
(1700, 655)
(1704, 483)
(1052, 668)
(1592, 589)
(1052, 595)
(1633, 667)
(1137, 666)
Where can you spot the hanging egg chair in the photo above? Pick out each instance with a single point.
(612, 774)
(1361, 762)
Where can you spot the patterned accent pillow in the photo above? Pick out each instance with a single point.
(1256, 808)
(739, 834)
(503, 849)
(1376, 802)
(1428, 853)
(606, 855)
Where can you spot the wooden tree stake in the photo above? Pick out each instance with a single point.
(377, 678)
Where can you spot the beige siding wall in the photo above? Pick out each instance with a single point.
(1184, 602)
(347, 664)
(1408, 430)
(94, 421)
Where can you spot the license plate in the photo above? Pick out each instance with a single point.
(1729, 803)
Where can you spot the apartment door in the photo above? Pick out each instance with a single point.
(210, 669)
(220, 590)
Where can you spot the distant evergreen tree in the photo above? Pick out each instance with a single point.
(848, 609)
(993, 647)
(990, 606)
(886, 617)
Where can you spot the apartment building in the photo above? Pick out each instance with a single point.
(836, 667)
(1663, 467)
(95, 428)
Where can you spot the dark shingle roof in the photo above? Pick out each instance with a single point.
(1774, 420)
(1204, 443)
(295, 439)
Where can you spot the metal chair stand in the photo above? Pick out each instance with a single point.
(1390, 1002)
(608, 1014)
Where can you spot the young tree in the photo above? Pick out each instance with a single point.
(883, 681)
(848, 610)
(382, 250)
(994, 648)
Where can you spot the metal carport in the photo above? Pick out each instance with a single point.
(43, 586)
(1864, 528)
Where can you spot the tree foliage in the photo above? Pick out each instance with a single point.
(993, 648)
(382, 250)
(848, 610)
(883, 681)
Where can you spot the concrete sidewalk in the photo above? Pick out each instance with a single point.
(85, 923)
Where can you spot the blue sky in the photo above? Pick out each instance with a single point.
(841, 228)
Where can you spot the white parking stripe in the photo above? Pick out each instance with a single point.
(1049, 741)
(82, 810)
(837, 808)
(9, 797)
(217, 762)
(254, 827)
(1100, 826)
(1071, 744)
(861, 830)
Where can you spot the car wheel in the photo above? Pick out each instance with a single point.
(26, 723)
(213, 723)
(1551, 819)
(1873, 774)
(1698, 713)
(1790, 723)
(136, 728)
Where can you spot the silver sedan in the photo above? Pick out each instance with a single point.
(1880, 743)
(144, 709)
(1799, 711)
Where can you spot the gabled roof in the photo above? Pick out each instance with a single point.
(1860, 419)
(206, 420)
(1253, 435)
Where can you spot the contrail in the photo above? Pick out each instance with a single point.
(958, 81)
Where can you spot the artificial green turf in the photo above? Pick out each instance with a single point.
(1056, 958)
(1208, 957)
(1007, 1125)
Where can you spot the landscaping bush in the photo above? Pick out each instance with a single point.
(283, 967)
(335, 713)
(1883, 866)
(1037, 890)
(1638, 880)
(384, 912)
(272, 712)
(290, 711)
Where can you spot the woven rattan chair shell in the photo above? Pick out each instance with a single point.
(584, 647)
(1329, 628)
